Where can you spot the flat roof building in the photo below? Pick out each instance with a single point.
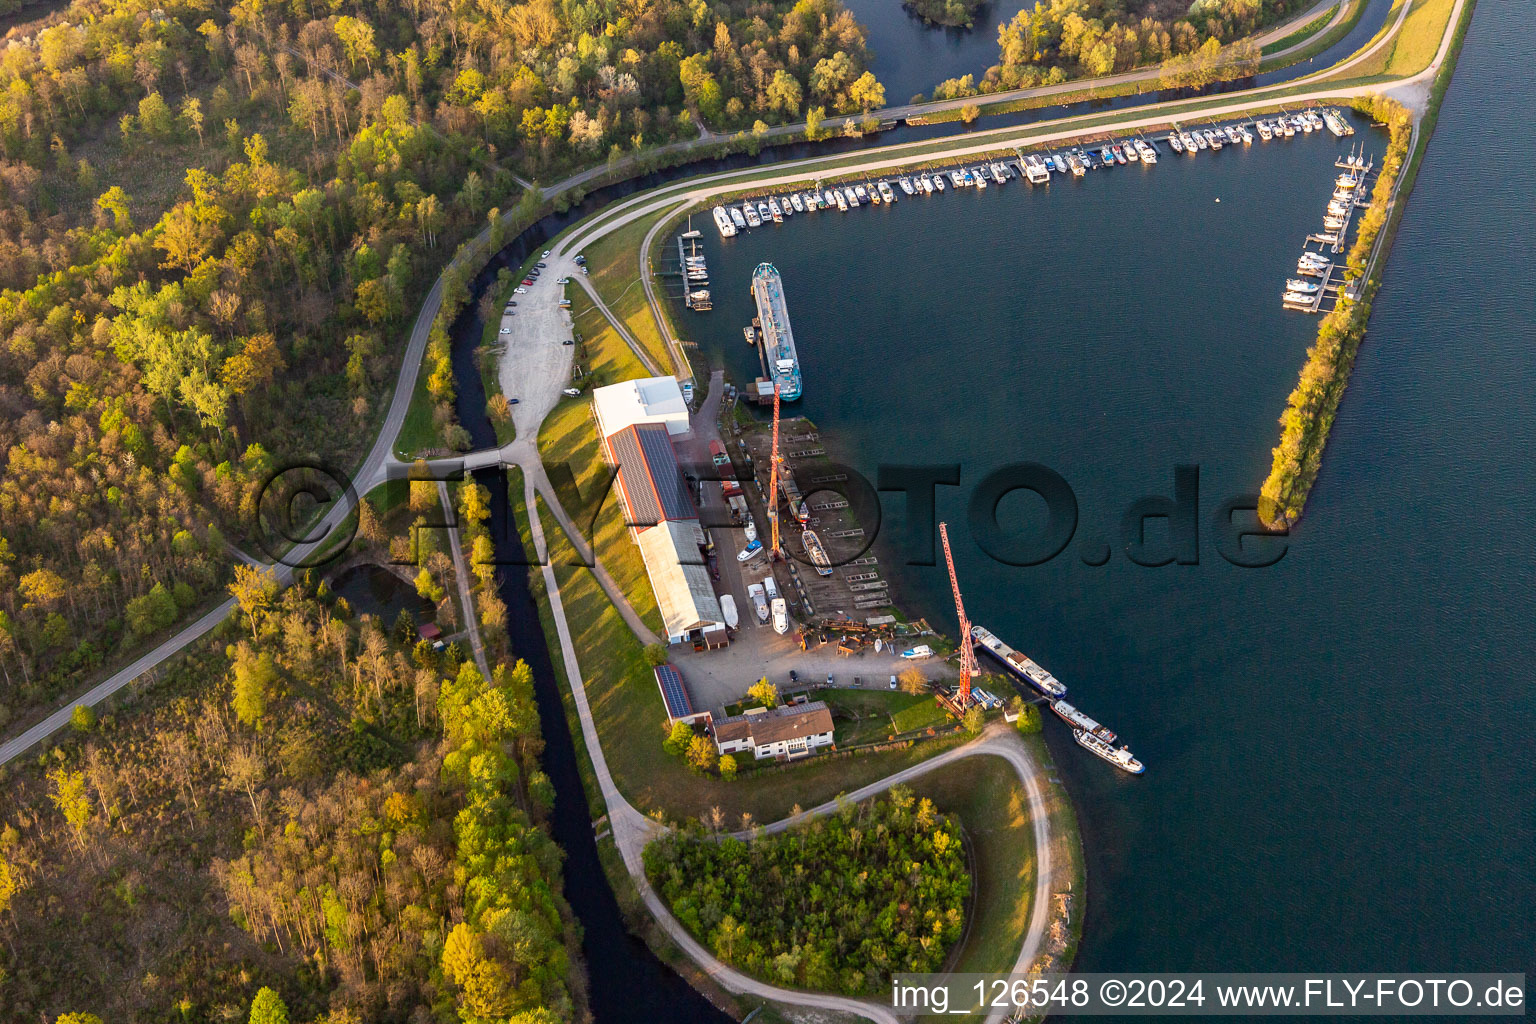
(675, 695)
(647, 400)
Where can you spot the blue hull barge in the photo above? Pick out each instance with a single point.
(778, 341)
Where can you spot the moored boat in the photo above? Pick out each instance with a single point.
(778, 339)
(1120, 757)
(753, 220)
(1018, 663)
(1175, 143)
(1102, 739)
(816, 553)
(774, 211)
(842, 203)
(1304, 287)
(797, 202)
(885, 191)
(906, 185)
(723, 222)
(1263, 129)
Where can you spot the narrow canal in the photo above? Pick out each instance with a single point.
(627, 983)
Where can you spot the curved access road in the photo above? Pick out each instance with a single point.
(997, 741)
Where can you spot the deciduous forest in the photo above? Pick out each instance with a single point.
(217, 218)
(838, 904)
(308, 802)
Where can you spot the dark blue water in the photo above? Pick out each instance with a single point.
(909, 56)
(1338, 745)
(374, 590)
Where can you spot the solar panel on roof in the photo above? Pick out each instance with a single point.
(649, 477)
(673, 692)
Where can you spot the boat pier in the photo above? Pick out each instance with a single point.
(1351, 197)
(695, 272)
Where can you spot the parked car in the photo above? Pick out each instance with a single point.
(505, 330)
(567, 341)
(519, 290)
(527, 282)
(563, 280)
(572, 392)
(794, 677)
(513, 401)
(893, 682)
(541, 266)
(831, 682)
(546, 254)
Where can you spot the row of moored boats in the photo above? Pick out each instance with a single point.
(1089, 734)
(1299, 291)
(1035, 168)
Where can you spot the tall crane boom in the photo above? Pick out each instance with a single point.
(773, 478)
(967, 650)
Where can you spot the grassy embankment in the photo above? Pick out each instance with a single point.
(1306, 31)
(614, 262)
(1312, 407)
(1414, 46)
(994, 809)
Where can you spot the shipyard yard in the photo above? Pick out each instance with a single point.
(835, 590)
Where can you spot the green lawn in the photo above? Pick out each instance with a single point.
(418, 431)
(1420, 38)
(615, 263)
(867, 716)
(600, 351)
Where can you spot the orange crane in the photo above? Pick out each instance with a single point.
(967, 651)
(773, 479)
